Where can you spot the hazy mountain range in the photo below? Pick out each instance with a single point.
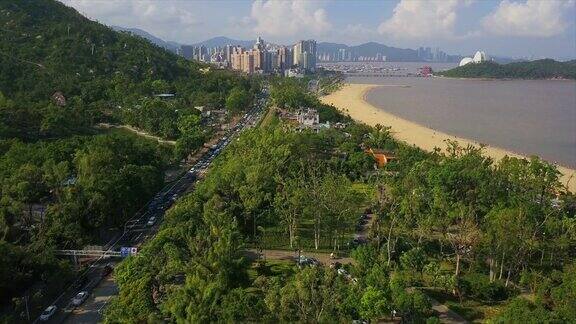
(393, 54)
(169, 45)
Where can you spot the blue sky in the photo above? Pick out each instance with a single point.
(519, 28)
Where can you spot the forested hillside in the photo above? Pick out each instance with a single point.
(539, 69)
(47, 48)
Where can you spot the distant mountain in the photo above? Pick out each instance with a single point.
(171, 46)
(539, 69)
(371, 49)
(222, 41)
(330, 47)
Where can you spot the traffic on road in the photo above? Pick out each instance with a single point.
(76, 304)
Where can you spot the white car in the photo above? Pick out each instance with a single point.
(79, 298)
(151, 221)
(48, 312)
(343, 272)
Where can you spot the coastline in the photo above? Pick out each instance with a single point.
(351, 99)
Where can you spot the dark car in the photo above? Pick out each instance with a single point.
(107, 270)
(306, 261)
(80, 282)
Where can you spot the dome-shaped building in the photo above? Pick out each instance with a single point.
(480, 57)
(465, 61)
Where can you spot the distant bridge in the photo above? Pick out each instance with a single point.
(380, 75)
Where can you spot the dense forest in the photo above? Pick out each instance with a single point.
(539, 69)
(65, 182)
(493, 241)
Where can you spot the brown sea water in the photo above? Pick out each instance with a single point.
(523, 116)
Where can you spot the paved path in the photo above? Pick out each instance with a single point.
(291, 256)
(445, 314)
(138, 132)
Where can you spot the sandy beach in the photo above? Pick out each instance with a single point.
(350, 99)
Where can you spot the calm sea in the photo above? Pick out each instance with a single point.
(528, 117)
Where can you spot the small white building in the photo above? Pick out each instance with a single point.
(308, 117)
(294, 73)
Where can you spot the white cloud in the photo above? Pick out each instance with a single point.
(289, 18)
(356, 33)
(418, 19)
(167, 19)
(536, 18)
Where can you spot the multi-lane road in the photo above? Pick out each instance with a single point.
(142, 226)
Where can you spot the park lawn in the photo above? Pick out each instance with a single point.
(475, 311)
(269, 118)
(366, 189)
(271, 268)
(276, 238)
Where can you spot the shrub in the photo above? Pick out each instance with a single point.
(521, 310)
(478, 286)
(414, 259)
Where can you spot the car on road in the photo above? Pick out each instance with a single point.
(356, 241)
(79, 298)
(106, 270)
(48, 312)
(343, 272)
(80, 282)
(306, 261)
(151, 221)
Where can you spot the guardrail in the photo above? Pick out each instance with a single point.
(94, 253)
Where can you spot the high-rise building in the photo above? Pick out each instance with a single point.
(248, 62)
(236, 58)
(258, 59)
(187, 51)
(305, 55)
(296, 52)
(285, 58)
(260, 44)
(228, 54)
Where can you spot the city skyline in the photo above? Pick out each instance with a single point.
(297, 59)
(514, 28)
(263, 57)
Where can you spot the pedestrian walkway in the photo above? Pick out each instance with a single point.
(445, 314)
(287, 255)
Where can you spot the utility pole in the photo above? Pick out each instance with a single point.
(27, 311)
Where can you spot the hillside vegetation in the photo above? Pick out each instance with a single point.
(469, 229)
(48, 48)
(539, 69)
(63, 183)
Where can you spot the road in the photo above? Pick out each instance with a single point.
(142, 226)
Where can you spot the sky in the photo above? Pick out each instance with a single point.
(514, 28)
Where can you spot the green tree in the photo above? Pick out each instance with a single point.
(238, 100)
(375, 305)
(413, 259)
